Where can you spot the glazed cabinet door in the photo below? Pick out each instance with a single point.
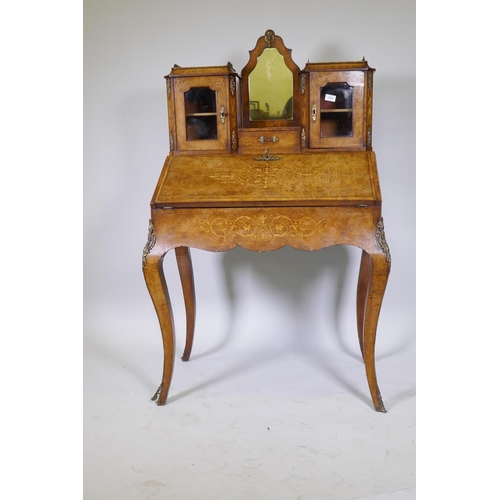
(202, 114)
(337, 110)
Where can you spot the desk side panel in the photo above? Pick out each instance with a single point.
(161, 181)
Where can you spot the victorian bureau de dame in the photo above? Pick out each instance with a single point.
(277, 156)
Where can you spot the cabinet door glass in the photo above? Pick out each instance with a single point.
(336, 110)
(201, 114)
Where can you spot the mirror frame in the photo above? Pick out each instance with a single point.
(267, 41)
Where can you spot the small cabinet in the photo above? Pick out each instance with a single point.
(202, 109)
(337, 105)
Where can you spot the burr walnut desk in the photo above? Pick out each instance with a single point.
(274, 157)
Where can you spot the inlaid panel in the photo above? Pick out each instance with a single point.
(337, 178)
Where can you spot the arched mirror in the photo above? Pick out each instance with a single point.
(269, 84)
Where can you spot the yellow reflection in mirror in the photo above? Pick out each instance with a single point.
(271, 88)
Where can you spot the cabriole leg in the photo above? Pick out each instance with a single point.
(363, 280)
(152, 266)
(375, 292)
(185, 266)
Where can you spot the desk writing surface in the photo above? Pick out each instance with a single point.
(315, 179)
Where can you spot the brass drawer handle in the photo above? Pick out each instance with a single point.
(263, 139)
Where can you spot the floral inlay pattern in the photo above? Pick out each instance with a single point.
(264, 227)
(263, 175)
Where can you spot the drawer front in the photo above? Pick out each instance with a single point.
(254, 141)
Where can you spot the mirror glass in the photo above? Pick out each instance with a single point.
(271, 88)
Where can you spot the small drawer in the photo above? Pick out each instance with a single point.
(276, 140)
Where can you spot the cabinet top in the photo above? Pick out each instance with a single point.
(332, 66)
(178, 71)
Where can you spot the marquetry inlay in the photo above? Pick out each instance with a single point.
(264, 227)
(329, 177)
(263, 175)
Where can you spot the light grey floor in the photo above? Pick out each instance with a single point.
(273, 405)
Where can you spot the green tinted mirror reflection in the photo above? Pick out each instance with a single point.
(271, 88)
